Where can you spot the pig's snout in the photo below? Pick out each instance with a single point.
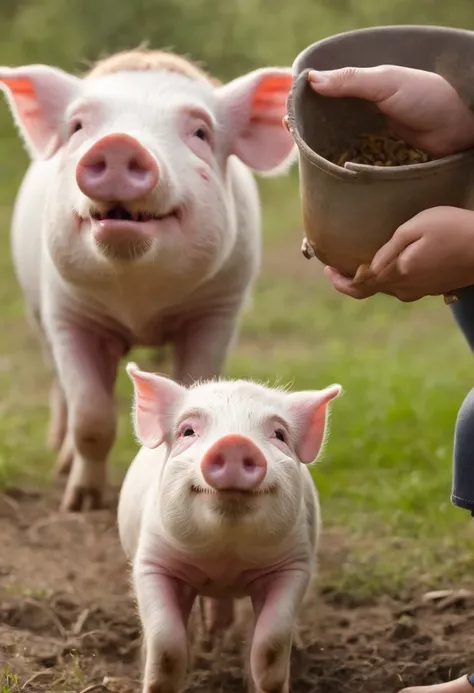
(117, 168)
(234, 463)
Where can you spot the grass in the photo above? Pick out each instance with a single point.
(385, 476)
(8, 681)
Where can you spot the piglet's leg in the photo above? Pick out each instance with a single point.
(276, 599)
(164, 605)
(87, 366)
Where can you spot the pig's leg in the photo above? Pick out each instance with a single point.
(221, 614)
(202, 345)
(65, 457)
(58, 408)
(217, 617)
(59, 439)
(276, 599)
(164, 605)
(58, 417)
(87, 367)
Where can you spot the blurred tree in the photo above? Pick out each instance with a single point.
(228, 37)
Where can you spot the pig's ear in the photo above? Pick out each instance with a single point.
(309, 413)
(38, 96)
(255, 105)
(156, 399)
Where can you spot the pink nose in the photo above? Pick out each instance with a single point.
(117, 168)
(234, 463)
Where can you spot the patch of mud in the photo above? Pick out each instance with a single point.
(67, 620)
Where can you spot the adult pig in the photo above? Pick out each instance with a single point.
(220, 502)
(138, 223)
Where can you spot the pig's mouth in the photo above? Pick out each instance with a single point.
(124, 233)
(120, 212)
(233, 494)
(233, 504)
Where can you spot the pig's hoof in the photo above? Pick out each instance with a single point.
(307, 249)
(80, 498)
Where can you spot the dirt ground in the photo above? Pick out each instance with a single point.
(68, 622)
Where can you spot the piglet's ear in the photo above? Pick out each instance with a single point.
(309, 413)
(254, 105)
(38, 96)
(156, 399)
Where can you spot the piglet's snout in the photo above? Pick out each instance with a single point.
(117, 168)
(234, 462)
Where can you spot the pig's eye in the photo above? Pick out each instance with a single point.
(75, 127)
(280, 435)
(188, 431)
(201, 134)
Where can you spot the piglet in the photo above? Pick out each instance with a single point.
(219, 502)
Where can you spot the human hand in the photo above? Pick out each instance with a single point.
(421, 107)
(429, 255)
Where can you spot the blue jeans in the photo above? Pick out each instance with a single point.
(463, 463)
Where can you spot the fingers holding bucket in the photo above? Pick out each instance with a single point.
(374, 84)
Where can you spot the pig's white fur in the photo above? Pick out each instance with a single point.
(187, 290)
(181, 544)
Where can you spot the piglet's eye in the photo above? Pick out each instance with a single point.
(201, 134)
(75, 127)
(279, 435)
(188, 431)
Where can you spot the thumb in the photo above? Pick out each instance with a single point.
(374, 84)
(404, 236)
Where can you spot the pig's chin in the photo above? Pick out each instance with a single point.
(232, 503)
(123, 240)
